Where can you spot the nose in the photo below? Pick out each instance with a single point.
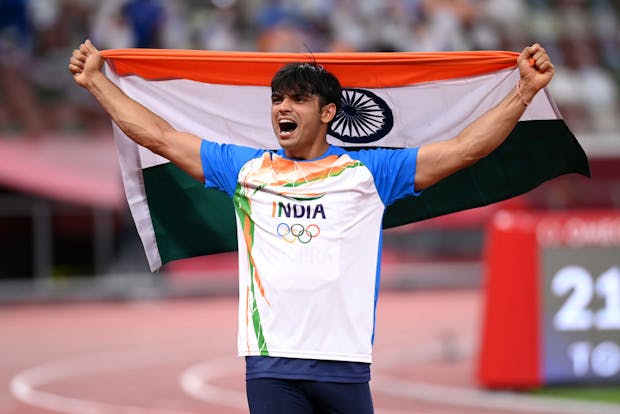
(285, 104)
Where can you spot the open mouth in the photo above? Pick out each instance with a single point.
(287, 126)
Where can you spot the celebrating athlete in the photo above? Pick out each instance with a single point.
(306, 310)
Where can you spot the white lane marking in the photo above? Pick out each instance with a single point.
(464, 347)
(24, 386)
(454, 349)
(195, 382)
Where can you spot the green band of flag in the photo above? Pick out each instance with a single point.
(201, 221)
(418, 98)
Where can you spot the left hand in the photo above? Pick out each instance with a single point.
(536, 70)
(85, 64)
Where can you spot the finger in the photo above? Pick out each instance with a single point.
(84, 49)
(539, 54)
(546, 66)
(542, 62)
(75, 70)
(529, 51)
(89, 45)
(528, 54)
(77, 62)
(77, 55)
(538, 57)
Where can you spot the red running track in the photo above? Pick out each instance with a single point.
(179, 357)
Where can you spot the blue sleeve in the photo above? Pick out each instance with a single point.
(221, 164)
(393, 171)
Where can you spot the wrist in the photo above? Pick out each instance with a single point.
(92, 80)
(525, 96)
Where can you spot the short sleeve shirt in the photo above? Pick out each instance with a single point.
(309, 234)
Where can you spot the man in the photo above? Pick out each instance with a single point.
(309, 224)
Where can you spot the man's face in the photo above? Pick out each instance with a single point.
(299, 123)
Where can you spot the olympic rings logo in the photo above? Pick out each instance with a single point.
(298, 232)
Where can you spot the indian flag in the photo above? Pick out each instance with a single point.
(392, 100)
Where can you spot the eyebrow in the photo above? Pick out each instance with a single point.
(292, 94)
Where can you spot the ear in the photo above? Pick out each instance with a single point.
(328, 112)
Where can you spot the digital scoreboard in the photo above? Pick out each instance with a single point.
(552, 300)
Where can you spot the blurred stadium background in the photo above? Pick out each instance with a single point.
(65, 230)
(64, 225)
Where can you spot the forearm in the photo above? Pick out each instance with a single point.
(488, 132)
(136, 121)
(440, 159)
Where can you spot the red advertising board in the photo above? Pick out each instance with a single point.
(552, 299)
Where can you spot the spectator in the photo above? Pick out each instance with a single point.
(146, 18)
(18, 97)
(34, 33)
(586, 95)
(110, 27)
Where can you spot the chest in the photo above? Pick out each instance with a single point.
(310, 194)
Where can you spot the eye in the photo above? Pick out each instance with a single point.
(276, 99)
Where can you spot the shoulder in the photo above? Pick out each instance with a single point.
(228, 156)
(378, 156)
(231, 149)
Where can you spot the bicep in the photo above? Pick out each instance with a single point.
(437, 160)
(183, 150)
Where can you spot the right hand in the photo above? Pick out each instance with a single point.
(85, 62)
(536, 70)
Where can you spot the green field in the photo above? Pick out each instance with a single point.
(609, 394)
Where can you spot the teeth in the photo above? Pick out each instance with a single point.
(287, 125)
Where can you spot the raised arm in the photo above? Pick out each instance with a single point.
(441, 159)
(137, 122)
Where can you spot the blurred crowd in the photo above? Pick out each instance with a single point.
(37, 36)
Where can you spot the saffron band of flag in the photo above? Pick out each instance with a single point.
(391, 100)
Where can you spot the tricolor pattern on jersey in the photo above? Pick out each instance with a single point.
(390, 100)
(309, 244)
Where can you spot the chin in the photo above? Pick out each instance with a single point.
(286, 143)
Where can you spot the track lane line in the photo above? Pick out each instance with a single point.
(195, 381)
(24, 386)
(464, 347)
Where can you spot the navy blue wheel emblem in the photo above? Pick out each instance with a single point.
(364, 117)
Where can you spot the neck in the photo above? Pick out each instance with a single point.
(307, 153)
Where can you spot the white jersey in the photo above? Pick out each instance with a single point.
(309, 235)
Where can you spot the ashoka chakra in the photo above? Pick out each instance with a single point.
(364, 117)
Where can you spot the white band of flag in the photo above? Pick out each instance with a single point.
(391, 100)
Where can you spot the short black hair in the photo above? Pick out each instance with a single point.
(308, 79)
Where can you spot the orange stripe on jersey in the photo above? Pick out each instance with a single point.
(295, 173)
